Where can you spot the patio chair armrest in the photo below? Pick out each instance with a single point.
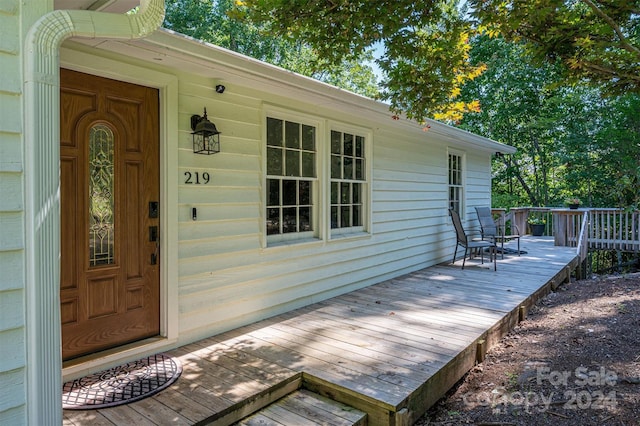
(514, 229)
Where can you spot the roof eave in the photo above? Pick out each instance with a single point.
(270, 78)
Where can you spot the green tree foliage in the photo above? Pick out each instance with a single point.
(603, 159)
(518, 105)
(598, 40)
(425, 60)
(571, 141)
(220, 23)
(426, 45)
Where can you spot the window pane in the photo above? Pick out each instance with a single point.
(356, 193)
(336, 142)
(274, 132)
(345, 196)
(305, 193)
(293, 162)
(292, 135)
(334, 217)
(348, 144)
(336, 167)
(273, 221)
(357, 219)
(101, 196)
(308, 138)
(274, 161)
(348, 168)
(291, 151)
(308, 164)
(359, 146)
(305, 219)
(348, 165)
(273, 192)
(335, 192)
(289, 196)
(359, 169)
(289, 220)
(345, 217)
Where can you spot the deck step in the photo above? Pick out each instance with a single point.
(304, 407)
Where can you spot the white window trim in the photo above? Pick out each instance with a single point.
(317, 218)
(321, 211)
(354, 231)
(463, 197)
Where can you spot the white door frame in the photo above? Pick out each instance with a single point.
(77, 58)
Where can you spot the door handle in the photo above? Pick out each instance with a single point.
(154, 255)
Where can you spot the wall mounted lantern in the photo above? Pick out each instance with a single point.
(206, 138)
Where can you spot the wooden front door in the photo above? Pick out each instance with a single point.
(109, 191)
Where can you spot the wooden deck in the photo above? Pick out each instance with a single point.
(390, 350)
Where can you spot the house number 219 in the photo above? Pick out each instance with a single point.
(196, 178)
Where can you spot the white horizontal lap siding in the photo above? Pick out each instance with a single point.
(227, 279)
(12, 334)
(282, 286)
(478, 187)
(410, 194)
(12, 260)
(228, 213)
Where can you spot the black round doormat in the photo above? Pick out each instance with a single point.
(121, 385)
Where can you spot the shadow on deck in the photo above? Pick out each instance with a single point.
(390, 350)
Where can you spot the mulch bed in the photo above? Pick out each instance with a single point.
(575, 360)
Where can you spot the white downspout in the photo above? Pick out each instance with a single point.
(42, 188)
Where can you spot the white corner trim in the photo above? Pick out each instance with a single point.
(41, 117)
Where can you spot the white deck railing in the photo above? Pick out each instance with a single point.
(614, 229)
(604, 229)
(583, 240)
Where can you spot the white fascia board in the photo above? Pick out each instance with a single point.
(183, 52)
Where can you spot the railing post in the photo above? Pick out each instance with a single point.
(567, 227)
(519, 217)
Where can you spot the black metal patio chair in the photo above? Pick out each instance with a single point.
(470, 245)
(491, 231)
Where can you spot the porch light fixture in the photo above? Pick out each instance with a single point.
(206, 138)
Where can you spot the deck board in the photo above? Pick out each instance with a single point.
(308, 409)
(336, 414)
(390, 345)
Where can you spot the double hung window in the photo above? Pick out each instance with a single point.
(456, 183)
(347, 180)
(316, 181)
(291, 177)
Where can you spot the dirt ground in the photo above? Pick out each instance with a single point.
(575, 360)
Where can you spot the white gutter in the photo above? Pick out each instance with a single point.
(41, 117)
